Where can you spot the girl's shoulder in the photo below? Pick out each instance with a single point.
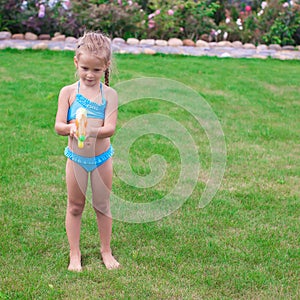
(68, 92)
(109, 92)
(69, 89)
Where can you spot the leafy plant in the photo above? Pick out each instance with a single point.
(123, 19)
(272, 21)
(283, 25)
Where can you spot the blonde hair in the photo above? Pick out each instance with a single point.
(98, 45)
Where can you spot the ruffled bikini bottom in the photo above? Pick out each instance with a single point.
(90, 163)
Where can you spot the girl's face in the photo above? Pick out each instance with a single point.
(90, 69)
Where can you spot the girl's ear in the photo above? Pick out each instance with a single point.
(76, 62)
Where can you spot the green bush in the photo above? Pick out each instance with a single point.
(124, 19)
(282, 22)
(273, 21)
(37, 17)
(185, 19)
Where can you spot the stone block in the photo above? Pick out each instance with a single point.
(188, 42)
(59, 38)
(237, 44)
(132, 41)
(5, 35)
(71, 40)
(118, 41)
(261, 48)
(162, 43)
(288, 47)
(44, 37)
(30, 36)
(202, 44)
(148, 42)
(249, 46)
(18, 36)
(275, 47)
(224, 44)
(174, 42)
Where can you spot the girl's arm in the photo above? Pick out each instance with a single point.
(111, 114)
(61, 125)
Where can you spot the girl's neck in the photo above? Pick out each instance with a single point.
(92, 93)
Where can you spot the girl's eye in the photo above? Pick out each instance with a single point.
(84, 68)
(97, 70)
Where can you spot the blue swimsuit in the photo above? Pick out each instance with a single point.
(95, 111)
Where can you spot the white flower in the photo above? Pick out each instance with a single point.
(225, 35)
(240, 27)
(219, 31)
(24, 5)
(264, 4)
(227, 20)
(239, 22)
(260, 13)
(291, 3)
(285, 5)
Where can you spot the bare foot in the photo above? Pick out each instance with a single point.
(109, 261)
(75, 262)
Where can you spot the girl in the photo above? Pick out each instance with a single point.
(92, 60)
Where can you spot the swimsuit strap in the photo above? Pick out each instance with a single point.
(78, 86)
(102, 94)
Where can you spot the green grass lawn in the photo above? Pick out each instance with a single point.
(243, 245)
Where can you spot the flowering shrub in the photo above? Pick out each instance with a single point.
(273, 22)
(162, 23)
(38, 17)
(189, 19)
(282, 19)
(116, 18)
(256, 21)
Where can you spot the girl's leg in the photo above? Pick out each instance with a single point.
(101, 180)
(76, 179)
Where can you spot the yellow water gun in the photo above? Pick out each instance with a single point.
(81, 122)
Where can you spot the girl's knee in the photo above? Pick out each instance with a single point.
(75, 209)
(102, 207)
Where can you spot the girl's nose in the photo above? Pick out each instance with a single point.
(90, 74)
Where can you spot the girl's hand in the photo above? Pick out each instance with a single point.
(92, 133)
(73, 130)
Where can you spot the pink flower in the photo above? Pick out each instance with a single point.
(151, 24)
(285, 5)
(170, 12)
(151, 16)
(130, 3)
(264, 4)
(157, 12)
(66, 4)
(120, 2)
(181, 29)
(248, 8)
(41, 13)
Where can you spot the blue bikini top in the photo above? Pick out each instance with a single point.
(94, 110)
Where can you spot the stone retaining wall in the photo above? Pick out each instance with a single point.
(151, 46)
